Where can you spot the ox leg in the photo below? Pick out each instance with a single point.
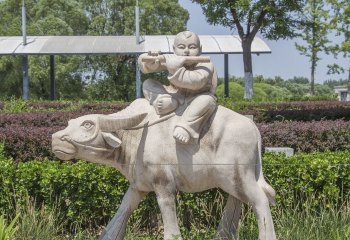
(116, 228)
(256, 197)
(230, 219)
(166, 201)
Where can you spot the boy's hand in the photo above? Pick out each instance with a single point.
(174, 62)
(153, 66)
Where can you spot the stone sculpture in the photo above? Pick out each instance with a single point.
(192, 85)
(140, 142)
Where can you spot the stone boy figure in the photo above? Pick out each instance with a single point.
(191, 90)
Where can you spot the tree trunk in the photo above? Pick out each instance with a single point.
(348, 97)
(248, 68)
(349, 80)
(313, 48)
(312, 87)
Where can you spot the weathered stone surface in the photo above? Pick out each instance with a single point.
(222, 149)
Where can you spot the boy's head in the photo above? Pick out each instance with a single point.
(187, 44)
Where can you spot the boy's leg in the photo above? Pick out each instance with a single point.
(194, 118)
(159, 97)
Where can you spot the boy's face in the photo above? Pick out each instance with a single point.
(187, 46)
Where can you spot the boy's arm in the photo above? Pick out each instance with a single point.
(150, 67)
(193, 79)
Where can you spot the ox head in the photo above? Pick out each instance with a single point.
(92, 137)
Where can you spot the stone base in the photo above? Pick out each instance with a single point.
(288, 151)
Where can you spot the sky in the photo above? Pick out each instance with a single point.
(284, 61)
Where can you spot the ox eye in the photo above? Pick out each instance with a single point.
(87, 125)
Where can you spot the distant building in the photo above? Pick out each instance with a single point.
(343, 93)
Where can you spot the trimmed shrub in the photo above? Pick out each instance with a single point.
(294, 111)
(296, 105)
(48, 105)
(299, 115)
(236, 91)
(89, 194)
(105, 106)
(324, 176)
(262, 92)
(19, 105)
(307, 136)
(27, 143)
(40, 119)
(86, 193)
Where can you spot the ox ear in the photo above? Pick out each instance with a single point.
(114, 123)
(112, 140)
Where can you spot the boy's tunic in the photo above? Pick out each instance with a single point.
(194, 87)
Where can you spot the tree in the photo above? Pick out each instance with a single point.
(340, 22)
(83, 17)
(59, 17)
(117, 17)
(314, 31)
(273, 19)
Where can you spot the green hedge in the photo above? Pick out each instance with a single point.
(88, 194)
(323, 175)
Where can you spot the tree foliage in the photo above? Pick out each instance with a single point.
(103, 77)
(340, 22)
(275, 89)
(273, 19)
(314, 32)
(43, 18)
(112, 77)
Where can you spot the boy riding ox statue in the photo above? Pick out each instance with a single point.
(176, 139)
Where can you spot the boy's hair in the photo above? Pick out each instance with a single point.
(187, 34)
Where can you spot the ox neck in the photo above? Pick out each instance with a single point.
(125, 155)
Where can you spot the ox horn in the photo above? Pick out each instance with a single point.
(112, 124)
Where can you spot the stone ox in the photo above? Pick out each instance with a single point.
(227, 156)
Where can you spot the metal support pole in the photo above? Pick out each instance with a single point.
(137, 22)
(137, 35)
(24, 23)
(226, 75)
(25, 76)
(52, 78)
(138, 79)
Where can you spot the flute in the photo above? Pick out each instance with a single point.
(188, 59)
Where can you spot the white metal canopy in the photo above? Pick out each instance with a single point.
(108, 45)
(86, 45)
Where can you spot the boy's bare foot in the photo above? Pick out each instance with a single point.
(165, 104)
(181, 135)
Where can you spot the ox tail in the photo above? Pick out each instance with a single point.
(268, 190)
